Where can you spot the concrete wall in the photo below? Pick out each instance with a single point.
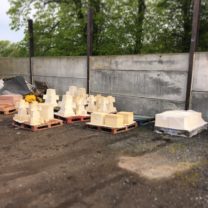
(61, 72)
(145, 84)
(57, 72)
(200, 84)
(10, 67)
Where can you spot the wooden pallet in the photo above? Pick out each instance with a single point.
(51, 124)
(109, 113)
(180, 133)
(112, 130)
(73, 119)
(7, 109)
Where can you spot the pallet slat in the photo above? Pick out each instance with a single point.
(180, 133)
(73, 119)
(51, 124)
(113, 130)
(7, 109)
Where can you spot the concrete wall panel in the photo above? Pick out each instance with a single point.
(14, 66)
(148, 84)
(200, 103)
(200, 80)
(60, 67)
(153, 62)
(145, 84)
(61, 84)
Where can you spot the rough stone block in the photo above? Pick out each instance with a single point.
(128, 117)
(98, 118)
(114, 120)
(51, 97)
(46, 111)
(22, 115)
(180, 120)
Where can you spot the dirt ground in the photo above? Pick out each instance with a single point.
(72, 166)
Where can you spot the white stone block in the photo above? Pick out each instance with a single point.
(98, 118)
(46, 111)
(180, 120)
(91, 104)
(128, 117)
(80, 106)
(51, 97)
(67, 106)
(35, 116)
(72, 91)
(110, 105)
(22, 115)
(114, 120)
(102, 104)
(81, 92)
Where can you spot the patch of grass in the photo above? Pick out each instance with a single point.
(175, 148)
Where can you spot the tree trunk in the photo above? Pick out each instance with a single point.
(139, 26)
(186, 7)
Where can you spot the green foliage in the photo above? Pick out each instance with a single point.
(8, 49)
(120, 26)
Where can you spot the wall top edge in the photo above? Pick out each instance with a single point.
(129, 55)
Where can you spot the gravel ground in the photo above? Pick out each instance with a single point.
(72, 166)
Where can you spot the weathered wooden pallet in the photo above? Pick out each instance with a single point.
(180, 133)
(73, 119)
(7, 109)
(51, 124)
(112, 130)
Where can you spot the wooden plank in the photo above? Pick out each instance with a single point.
(51, 124)
(73, 119)
(7, 109)
(113, 130)
(180, 133)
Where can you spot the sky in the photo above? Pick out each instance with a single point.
(5, 32)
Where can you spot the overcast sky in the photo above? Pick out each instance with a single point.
(5, 32)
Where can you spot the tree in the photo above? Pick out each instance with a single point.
(120, 26)
(8, 49)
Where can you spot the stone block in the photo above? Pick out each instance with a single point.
(22, 115)
(98, 118)
(128, 117)
(51, 97)
(66, 106)
(46, 111)
(114, 120)
(180, 120)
